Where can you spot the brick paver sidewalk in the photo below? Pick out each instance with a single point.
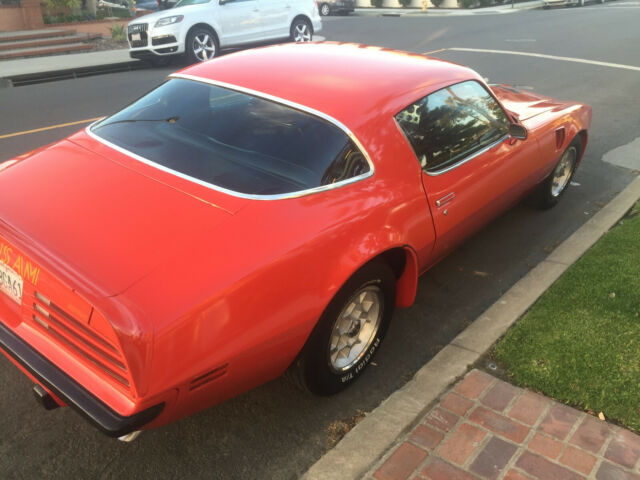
(485, 428)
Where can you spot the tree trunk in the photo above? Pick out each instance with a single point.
(92, 6)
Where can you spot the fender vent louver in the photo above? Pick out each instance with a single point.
(559, 138)
(207, 377)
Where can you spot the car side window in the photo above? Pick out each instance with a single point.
(447, 126)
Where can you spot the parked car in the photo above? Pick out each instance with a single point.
(343, 7)
(200, 28)
(573, 3)
(262, 212)
(115, 4)
(155, 5)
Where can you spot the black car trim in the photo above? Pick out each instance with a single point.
(71, 392)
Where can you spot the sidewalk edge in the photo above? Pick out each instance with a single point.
(368, 441)
(65, 73)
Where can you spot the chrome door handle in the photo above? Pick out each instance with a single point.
(446, 199)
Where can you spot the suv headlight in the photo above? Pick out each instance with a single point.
(169, 20)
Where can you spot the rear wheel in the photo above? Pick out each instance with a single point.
(553, 187)
(349, 332)
(301, 31)
(325, 10)
(201, 45)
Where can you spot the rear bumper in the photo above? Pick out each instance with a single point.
(71, 392)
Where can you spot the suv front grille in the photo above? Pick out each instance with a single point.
(141, 30)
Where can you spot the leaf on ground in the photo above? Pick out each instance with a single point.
(478, 273)
(340, 428)
(601, 416)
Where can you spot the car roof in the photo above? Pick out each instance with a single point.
(352, 83)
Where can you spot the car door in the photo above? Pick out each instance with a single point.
(471, 168)
(239, 21)
(275, 17)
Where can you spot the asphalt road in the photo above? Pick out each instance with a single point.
(276, 431)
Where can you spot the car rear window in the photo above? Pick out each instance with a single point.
(233, 140)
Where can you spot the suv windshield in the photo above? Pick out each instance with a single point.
(185, 3)
(233, 140)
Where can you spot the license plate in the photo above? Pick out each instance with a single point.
(10, 283)
(135, 37)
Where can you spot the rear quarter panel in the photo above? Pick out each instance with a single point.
(247, 299)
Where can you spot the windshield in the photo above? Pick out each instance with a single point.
(233, 140)
(185, 3)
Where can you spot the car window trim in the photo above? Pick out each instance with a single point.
(469, 157)
(248, 91)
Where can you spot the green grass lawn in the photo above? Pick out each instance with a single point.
(580, 343)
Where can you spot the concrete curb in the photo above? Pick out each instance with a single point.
(417, 12)
(26, 71)
(69, 73)
(371, 438)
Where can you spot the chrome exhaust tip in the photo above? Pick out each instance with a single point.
(130, 437)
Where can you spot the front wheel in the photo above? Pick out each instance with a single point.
(553, 187)
(201, 45)
(325, 10)
(301, 31)
(349, 331)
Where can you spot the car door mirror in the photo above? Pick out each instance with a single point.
(517, 131)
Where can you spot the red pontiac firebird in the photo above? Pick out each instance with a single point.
(260, 212)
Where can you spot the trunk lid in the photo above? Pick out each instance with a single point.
(101, 222)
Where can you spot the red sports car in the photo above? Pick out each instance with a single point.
(260, 212)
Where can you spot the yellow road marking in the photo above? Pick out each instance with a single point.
(36, 130)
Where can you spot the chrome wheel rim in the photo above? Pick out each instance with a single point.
(324, 10)
(301, 32)
(562, 172)
(355, 329)
(204, 47)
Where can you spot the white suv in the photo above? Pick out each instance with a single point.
(199, 28)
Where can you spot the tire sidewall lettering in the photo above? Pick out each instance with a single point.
(315, 366)
(359, 368)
